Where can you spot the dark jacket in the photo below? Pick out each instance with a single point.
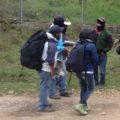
(91, 56)
(104, 42)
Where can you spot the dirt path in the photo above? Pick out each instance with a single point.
(105, 105)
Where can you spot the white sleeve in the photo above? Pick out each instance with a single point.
(44, 55)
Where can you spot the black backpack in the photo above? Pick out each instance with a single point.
(32, 49)
(75, 60)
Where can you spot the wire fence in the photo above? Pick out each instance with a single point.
(42, 10)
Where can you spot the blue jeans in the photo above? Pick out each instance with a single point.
(59, 81)
(44, 89)
(87, 85)
(102, 65)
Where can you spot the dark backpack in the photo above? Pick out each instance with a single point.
(75, 60)
(32, 49)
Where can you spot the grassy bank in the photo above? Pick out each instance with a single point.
(15, 79)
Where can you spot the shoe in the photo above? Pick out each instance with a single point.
(79, 108)
(48, 109)
(50, 105)
(54, 97)
(66, 94)
(86, 108)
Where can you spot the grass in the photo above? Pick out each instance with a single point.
(17, 80)
(14, 79)
(44, 10)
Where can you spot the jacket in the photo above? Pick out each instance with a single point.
(49, 52)
(90, 56)
(104, 42)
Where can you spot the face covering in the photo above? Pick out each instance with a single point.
(100, 28)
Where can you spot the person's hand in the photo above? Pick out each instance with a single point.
(52, 73)
(65, 51)
(116, 41)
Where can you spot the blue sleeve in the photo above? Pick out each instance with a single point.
(94, 54)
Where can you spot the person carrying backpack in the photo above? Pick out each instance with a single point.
(104, 44)
(86, 75)
(47, 72)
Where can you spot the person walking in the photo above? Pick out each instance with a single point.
(86, 77)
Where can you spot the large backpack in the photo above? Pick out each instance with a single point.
(75, 60)
(32, 49)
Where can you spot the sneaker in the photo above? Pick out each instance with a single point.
(54, 97)
(79, 108)
(66, 94)
(48, 109)
(86, 108)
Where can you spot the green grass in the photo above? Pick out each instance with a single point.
(44, 10)
(12, 77)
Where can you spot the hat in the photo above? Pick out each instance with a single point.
(61, 21)
(55, 29)
(101, 21)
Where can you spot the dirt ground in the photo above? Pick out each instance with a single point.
(105, 105)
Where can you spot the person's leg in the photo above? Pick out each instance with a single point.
(43, 91)
(63, 79)
(103, 61)
(90, 83)
(52, 90)
(96, 76)
(83, 87)
(80, 107)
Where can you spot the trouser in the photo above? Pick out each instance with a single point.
(87, 85)
(102, 65)
(44, 89)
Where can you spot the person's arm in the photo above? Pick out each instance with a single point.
(51, 57)
(94, 54)
(109, 44)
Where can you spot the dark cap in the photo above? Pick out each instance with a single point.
(101, 21)
(61, 21)
(55, 29)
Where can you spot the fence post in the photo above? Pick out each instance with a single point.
(21, 11)
(82, 4)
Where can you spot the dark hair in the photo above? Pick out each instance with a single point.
(87, 34)
(55, 29)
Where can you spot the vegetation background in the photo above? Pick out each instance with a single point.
(15, 79)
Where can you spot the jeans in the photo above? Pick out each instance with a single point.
(59, 81)
(87, 85)
(44, 88)
(102, 65)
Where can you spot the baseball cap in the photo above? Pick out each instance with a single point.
(101, 21)
(55, 29)
(61, 21)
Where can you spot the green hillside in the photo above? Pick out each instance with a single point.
(12, 76)
(45, 9)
